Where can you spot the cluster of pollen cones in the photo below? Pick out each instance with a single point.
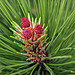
(33, 36)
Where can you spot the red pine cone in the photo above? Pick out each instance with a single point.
(25, 22)
(27, 34)
(38, 29)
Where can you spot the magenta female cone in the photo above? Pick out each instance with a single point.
(38, 29)
(25, 22)
(27, 33)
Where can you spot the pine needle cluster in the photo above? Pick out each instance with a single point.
(59, 18)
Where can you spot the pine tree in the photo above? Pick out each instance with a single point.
(37, 37)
